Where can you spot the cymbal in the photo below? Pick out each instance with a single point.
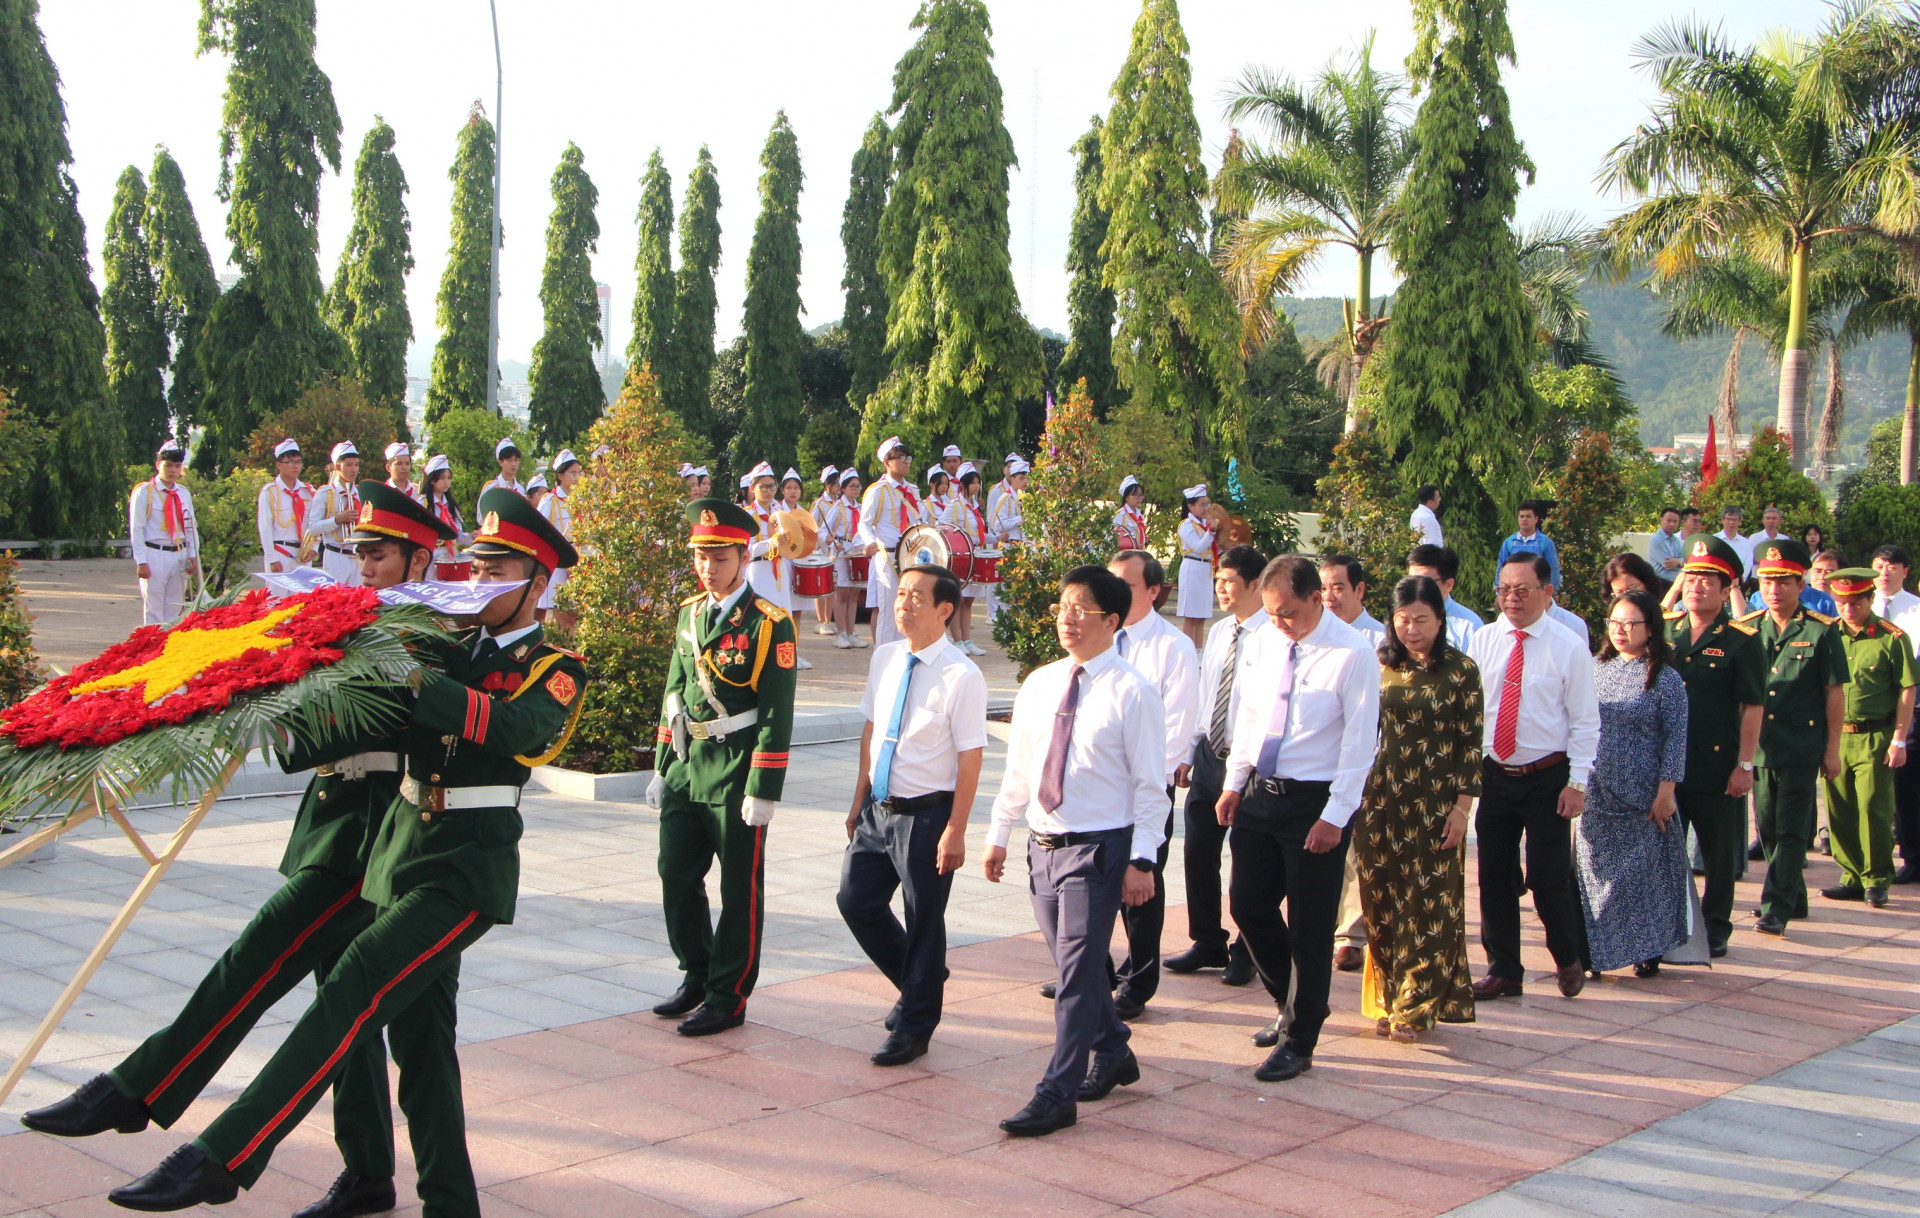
(1216, 517)
(796, 534)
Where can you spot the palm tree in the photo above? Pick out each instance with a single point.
(1331, 175)
(1557, 255)
(1768, 152)
(1890, 303)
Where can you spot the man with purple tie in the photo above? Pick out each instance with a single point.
(1086, 770)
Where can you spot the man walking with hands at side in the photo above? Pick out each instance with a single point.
(908, 823)
(1086, 770)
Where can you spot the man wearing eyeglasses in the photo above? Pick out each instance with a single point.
(1542, 731)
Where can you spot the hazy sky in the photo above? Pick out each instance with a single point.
(620, 77)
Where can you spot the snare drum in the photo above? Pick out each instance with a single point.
(986, 566)
(453, 572)
(857, 570)
(813, 576)
(962, 560)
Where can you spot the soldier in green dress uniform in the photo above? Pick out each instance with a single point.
(1725, 671)
(303, 927)
(443, 870)
(721, 763)
(1800, 736)
(1873, 741)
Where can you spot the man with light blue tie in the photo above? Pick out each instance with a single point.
(908, 822)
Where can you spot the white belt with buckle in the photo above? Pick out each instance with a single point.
(358, 766)
(440, 799)
(719, 729)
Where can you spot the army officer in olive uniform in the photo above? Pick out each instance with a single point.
(444, 869)
(721, 763)
(302, 928)
(1800, 736)
(1725, 672)
(1873, 741)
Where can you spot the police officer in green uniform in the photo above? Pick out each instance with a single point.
(1725, 671)
(303, 927)
(722, 760)
(1800, 736)
(1873, 741)
(443, 870)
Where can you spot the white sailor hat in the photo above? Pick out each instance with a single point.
(686, 469)
(344, 448)
(1018, 467)
(762, 470)
(436, 464)
(935, 471)
(700, 471)
(398, 449)
(288, 445)
(792, 475)
(1195, 492)
(1128, 483)
(562, 459)
(1011, 458)
(887, 446)
(849, 474)
(539, 483)
(827, 474)
(966, 467)
(505, 446)
(746, 480)
(951, 450)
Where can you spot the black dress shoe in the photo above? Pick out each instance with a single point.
(1877, 897)
(95, 1108)
(1349, 959)
(1239, 970)
(1909, 874)
(1716, 950)
(352, 1194)
(1282, 1064)
(184, 1178)
(1770, 925)
(1755, 852)
(1128, 1008)
(1844, 892)
(1039, 1118)
(1269, 1036)
(684, 999)
(708, 1020)
(1050, 989)
(1105, 1076)
(1195, 958)
(899, 1049)
(893, 1018)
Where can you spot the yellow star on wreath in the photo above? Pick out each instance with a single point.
(188, 653)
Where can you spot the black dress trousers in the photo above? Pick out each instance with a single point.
(900, 850)
(1271, 864)
(1511, 808)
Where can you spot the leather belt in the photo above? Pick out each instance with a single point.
(1853, 727)
(1283, 786)
(333, 549)
(1055, 841)
(358, 766)
(720, 729)
(169, 549)
(1532, 767)
(453, 799)
(918, 803)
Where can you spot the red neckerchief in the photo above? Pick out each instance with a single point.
(766, 530)
(299, 506)
(907, 500)
(172, 515)
(979, 521)
(1139, 528)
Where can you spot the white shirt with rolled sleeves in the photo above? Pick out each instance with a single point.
(1116, 758)
(1559, 712)
(1333, 721)
(1213, 663)
(946, 714)
(1427, 525)
(1165, 656)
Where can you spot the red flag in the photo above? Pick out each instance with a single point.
(1710, 460)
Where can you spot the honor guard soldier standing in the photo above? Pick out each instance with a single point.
(1725, 670)
(1873, 741)
(166, 541)
(444, 869)
(335, 507)
(889, 509)
(281, 514)
(721, 752)
(303, 928)
(1800, 736)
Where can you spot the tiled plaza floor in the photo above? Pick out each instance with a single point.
(582, 1103)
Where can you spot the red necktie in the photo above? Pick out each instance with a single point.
(299, 509)
(1506, 728)
(172, 515)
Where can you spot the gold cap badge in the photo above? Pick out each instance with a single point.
(491, 524)
(1773, 551)
(1699, 548)
(708, 518)
(366, 513)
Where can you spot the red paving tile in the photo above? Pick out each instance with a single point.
(787, 1116)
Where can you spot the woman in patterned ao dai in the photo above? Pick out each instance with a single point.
(1409, 838)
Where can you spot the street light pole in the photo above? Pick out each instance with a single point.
(493, 265)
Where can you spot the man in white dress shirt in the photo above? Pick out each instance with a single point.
(1730, 518)
(1165, 657)
(1892, 601)
(1344, 583)
(1891, 566)
(1301, 753)
(165, 539)
(1442, 566)
(281, 512)
(1772, 521)
(1542, 731)
(1086, 770)
(926, 731)
(1226, 674)
(1425, 520)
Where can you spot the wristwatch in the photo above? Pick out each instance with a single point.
(1747, 766)
(1145, 865)
(1577, 787)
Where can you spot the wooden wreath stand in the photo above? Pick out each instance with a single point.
(157, 864)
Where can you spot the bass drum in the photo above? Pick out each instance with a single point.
(921, 544)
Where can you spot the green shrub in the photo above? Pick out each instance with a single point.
(1878, 516)
(19, 666)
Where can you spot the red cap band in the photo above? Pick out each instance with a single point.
(393, 524)
(526, 541)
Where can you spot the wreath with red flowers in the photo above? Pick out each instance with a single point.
(164, 676)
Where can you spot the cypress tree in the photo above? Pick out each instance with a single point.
(652, 341)
(52, 346)
(266, 340)
(565, 396)
(865, 316)
(687, 385)
(1455, 390)
(460, 371)
(136, 336)
(963, 354)
(185, 285)
(770, 423)
(368, 300)
(1090, 302)
(1178, 345)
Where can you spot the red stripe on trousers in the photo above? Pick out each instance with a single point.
(753, 915)
(266, 1130)
(252, 993)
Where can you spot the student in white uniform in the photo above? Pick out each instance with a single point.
(951, 460)
(557, 507)
(770, 574)
(509, 476)
(1196, 566)
(1003, 486)
(399, 459)
(1006, 522)
(336, 506)
(838, 517)
(824, 504)
(1130, 522)
(890, 508)
(437, 486)
(968, 518)
(537, 488)
(939, 500)
(166, 541)
(281, 512)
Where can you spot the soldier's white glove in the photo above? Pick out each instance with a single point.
(656, 789)
(758, 813)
